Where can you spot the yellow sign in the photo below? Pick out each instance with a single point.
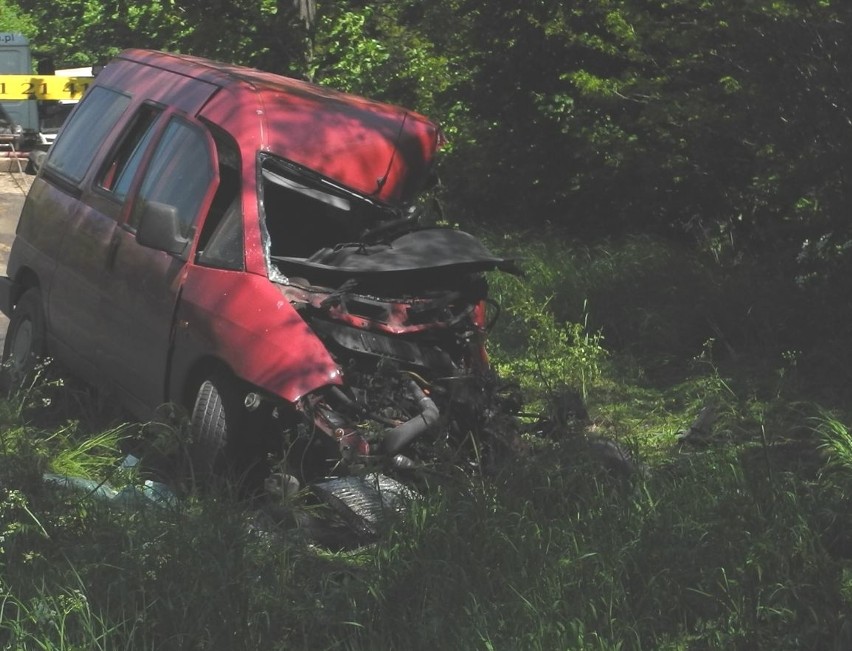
(14, 87)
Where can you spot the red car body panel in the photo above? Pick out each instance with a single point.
(149, 83)
(245, 321)
(376, 149)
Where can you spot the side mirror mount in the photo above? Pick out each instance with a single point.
(159, 228)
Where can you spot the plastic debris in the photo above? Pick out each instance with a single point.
(130, 496)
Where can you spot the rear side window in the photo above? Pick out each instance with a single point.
(94, 118)
(121, 168)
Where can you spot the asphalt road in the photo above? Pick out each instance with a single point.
(13, 186)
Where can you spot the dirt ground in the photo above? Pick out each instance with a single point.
(13, 188)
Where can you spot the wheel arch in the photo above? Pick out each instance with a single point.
(26, 278)
(204, 367)
(21, 360)
(185, 391)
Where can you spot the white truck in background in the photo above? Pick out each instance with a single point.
(34, 104)
(52, 114)
(18, 117)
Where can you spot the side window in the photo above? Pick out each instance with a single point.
(179, 174)
(221, 241)
(225, 248)
(80, 138)
(119, 171)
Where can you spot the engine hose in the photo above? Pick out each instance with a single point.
(399, 437)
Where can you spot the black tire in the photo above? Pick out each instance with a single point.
(217, 415)
(26, 341)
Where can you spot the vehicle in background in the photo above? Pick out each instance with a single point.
(52, 116)
(53, 113)
(9, 131)
(16, 59)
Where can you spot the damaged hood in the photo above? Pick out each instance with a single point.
(378, 150)
(438, 249)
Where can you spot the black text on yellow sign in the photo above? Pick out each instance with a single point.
(14, 87)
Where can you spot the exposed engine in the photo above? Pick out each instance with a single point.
(406, 321)
(401, 309)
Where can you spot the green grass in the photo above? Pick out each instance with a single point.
(739, 542)
(711, 551)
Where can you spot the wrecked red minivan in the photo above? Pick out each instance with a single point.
(248, 246)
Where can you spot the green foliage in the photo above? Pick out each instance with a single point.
(836, 441)
(84, 455)
(628, 296)
(563, 563)
(708, 119)
(35, 427)
(654, 304)
(83, 32)
(60, 621)
(12, 19)
(542, 335)
(352, 56)
(539, 350)
(377, 51)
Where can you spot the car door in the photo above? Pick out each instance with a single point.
(72, 235)
(142, 284)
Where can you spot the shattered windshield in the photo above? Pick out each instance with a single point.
(304, 212)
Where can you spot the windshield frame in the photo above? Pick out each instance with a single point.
(275, 171)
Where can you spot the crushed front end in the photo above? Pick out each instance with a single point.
(403, 311)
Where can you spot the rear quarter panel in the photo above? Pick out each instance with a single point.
(39, 236)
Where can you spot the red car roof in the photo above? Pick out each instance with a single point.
(377, 149)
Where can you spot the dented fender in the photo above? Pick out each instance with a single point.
(243, 321)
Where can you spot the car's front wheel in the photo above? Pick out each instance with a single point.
(217, 415)
(26, 338)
